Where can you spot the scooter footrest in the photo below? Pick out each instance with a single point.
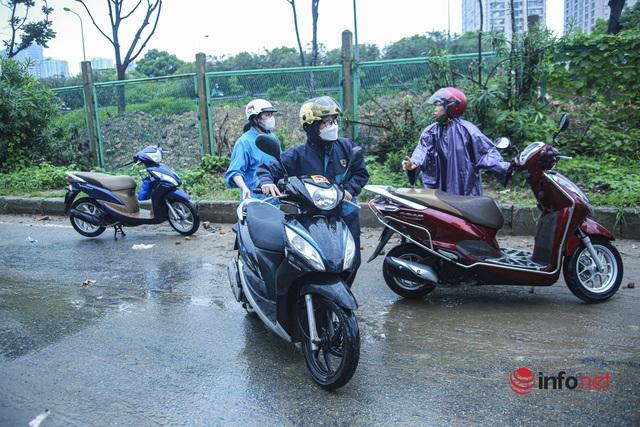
(516, 258)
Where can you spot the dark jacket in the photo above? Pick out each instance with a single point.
(329, 159)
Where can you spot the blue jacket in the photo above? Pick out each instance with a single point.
(245, 159)
(318, 158)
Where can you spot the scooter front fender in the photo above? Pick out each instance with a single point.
(178, 194)
(332, 288)
(590, 228)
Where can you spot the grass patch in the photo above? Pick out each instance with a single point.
(607, 183)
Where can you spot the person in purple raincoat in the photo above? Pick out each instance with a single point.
(452, 151)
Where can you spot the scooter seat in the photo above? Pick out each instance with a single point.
(115, 183)
(479, 210)
(265, 226)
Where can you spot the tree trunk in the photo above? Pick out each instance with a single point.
(314, 41)
(614, 18)
(120, 89)
(314, 45)
(510, 77)
(295, 25)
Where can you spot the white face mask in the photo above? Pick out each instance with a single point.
(269, 124)
(329, 133)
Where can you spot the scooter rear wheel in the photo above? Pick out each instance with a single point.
(82, 227)
(584, 279)
(335, 361)
(402, 287)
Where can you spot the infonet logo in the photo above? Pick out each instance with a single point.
(522, 381)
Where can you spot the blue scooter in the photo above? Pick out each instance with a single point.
(109, 200)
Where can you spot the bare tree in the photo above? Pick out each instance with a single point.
(38, 32)
(616, 7)
(295, 25)
(116, 16)
(314, 41)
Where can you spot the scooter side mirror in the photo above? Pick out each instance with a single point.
(268, 145)
(502, 142)
(563, 124)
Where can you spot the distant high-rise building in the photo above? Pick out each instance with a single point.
(497, 14)
(54, 68)
(102, 64)
(34, 56)
(581, 15)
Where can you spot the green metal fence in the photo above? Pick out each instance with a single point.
(153, 108)
(386, 85)
(132, 114)
(73, 117)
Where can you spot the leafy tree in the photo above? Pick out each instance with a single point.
(414, 46)
(630, 18)
(27, 109)
(280, 57)
(367, 52)
(38, 32)
(156, 63)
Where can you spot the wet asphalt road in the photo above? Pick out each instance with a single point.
(159, 340)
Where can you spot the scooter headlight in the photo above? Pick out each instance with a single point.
(324, 198)
(164, 177)
(304, 249)
(349, 250)
(156, 156)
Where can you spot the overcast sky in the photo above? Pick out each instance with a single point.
(223, 27)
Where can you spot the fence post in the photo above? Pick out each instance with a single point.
(90, 111)
(201, 67)
(347, 83)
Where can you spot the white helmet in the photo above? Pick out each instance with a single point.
(258, 106)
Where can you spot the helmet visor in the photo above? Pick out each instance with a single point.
(440, 97)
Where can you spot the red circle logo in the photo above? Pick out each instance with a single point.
(521, 380)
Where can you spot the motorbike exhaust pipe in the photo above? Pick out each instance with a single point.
(410, 270)
(87, 217)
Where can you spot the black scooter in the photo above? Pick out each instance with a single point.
(292, 270)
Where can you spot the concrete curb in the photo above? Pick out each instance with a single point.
(519, 220)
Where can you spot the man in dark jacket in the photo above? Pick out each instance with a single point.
(324, 153)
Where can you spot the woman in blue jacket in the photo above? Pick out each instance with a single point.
(246, 157)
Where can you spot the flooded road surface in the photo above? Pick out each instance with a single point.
(158, 339)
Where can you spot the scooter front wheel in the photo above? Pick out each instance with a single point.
(403, 287)
(583, 277)
(335, 359)
(183, 217)
(90, 207)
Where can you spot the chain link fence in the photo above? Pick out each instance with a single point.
(229, 92)
(73, 120)
(394, 93)
(133, 114)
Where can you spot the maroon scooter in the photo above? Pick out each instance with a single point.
(446, 238)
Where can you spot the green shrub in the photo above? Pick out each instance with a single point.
(27, 113)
